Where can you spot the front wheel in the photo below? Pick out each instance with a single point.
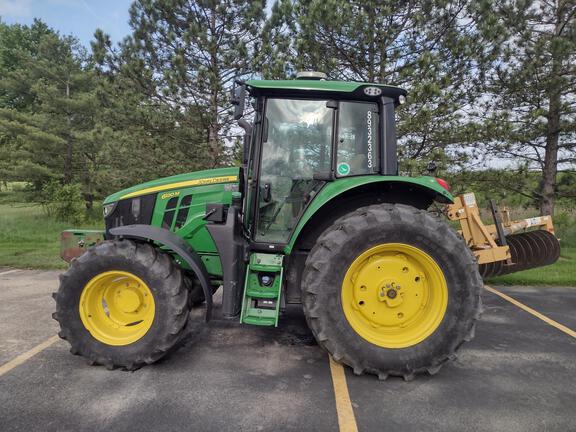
(122, 304)
(391, 290)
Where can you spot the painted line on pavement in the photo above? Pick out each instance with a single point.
(7, 367)
(537, 314)
(9, 271)
(346, 419)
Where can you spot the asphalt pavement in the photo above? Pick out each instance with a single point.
(518, 374)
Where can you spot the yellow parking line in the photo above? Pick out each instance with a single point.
(537, 314)
(346, 419)
(7, 367)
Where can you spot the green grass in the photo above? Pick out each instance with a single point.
(30, 239)
(561, 273)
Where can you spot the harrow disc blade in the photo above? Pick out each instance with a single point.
(528, 250)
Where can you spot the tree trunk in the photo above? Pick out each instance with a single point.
(549, 171)
(69, 145)
(88, 195)
(550, 168)
(213, 130)
(214, 127)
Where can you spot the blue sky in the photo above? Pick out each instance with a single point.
(77, 17)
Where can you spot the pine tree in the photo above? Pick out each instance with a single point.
(187, 54)
(530, 102)
(431, 48)
(49, 103)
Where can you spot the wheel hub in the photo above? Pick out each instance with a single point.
(127, 300)
(389, 293)
(117, 307)
(394, 295)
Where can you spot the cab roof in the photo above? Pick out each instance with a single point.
(302, 87)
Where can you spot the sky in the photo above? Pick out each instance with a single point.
(72, 17)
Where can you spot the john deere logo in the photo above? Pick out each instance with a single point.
(169, 195)
(343, 168)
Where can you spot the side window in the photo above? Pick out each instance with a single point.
(358, 139)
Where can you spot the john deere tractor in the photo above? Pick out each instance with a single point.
(316, 215)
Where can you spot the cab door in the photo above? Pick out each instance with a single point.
(297, 136)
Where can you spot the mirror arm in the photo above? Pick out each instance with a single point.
(245, 125)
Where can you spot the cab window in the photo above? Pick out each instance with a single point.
(358, 139)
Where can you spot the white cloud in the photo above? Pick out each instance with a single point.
(15, 8)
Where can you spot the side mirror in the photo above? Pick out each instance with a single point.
(239, 100)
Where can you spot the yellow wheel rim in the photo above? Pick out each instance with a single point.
(117, 307)
(394, 295)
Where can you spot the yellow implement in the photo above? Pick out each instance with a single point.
(506, 246)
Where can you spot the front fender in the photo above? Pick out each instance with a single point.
(170, 240)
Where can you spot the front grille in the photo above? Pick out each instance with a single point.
(128, 213)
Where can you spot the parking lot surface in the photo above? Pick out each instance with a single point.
(519, 374)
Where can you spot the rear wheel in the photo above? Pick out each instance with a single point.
(122, 304)
(391, 290)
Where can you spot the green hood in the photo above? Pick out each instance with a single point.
(197, 178)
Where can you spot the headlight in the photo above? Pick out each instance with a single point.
(107, 209)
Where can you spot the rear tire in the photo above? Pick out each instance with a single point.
(385, 348)
(87, 295)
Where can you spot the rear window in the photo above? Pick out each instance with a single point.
(358, 139)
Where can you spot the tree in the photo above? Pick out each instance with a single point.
(431, 48)
(143, 139)
(186, 55)
(49, 107)
(530, 101)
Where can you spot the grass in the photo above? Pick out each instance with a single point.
(561, 273)
(30, 239)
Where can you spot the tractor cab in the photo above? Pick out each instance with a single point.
(307, 132)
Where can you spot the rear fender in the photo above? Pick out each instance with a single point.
(379, 185)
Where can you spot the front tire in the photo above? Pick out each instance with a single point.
(122, 304)
(391, 290)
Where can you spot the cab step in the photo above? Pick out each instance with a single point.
(262, 290)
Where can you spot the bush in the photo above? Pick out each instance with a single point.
(63, 202)
(565, 224)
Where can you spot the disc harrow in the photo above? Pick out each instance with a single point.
(506, 246)
(528, 250)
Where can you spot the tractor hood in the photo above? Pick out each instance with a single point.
(197, 178)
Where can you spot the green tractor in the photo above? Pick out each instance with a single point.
(316, 215)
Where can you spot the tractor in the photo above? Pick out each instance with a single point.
(315, 215)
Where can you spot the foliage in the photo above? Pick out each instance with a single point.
(186, 55)
(431, 48)
(63, 202)
(487, 79)
(49, 112)
(511, 187)
(527, 115)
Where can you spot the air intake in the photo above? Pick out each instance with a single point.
(310, 75)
